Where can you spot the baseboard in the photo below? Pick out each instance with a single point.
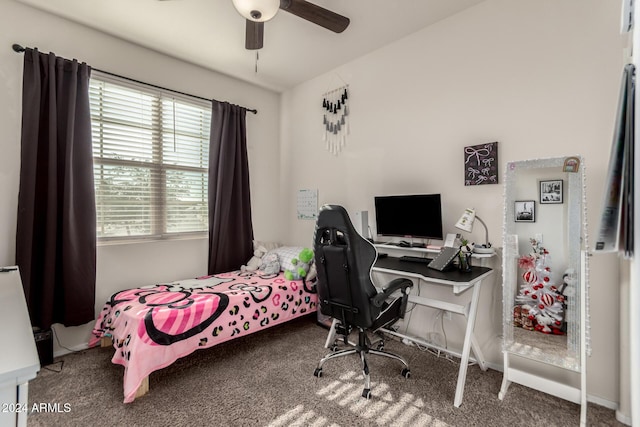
(65, 351)
(494, 366)
(602, 402)
(624, 419)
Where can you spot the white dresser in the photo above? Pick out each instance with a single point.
(19, 361)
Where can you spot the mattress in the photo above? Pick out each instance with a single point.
(153, 326)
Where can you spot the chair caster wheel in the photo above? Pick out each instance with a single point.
(366, 393)
(317, 372)
(381, 347)
(334, 348)
(406, 373)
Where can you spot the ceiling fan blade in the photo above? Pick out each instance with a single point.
(316, 14)
(254, 35)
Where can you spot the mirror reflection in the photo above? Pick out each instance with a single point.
(542, 245)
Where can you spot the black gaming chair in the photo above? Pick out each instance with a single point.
(346, 292)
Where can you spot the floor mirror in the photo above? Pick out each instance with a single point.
(545, 319)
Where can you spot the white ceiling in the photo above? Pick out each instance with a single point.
(210, 33)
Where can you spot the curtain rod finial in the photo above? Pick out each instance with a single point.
(16, 47)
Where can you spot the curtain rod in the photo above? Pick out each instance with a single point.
(17, 48)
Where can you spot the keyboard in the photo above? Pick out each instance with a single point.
(407, 258)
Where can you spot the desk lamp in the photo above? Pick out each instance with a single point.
(465, 223)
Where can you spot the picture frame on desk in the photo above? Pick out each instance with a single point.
(525, 211)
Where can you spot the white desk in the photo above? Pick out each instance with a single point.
(19, 361)
(458, 282)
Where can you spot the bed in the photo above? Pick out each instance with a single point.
(153, 326)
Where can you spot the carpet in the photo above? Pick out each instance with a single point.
(266, 379)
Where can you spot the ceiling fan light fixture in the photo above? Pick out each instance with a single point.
(257, 10)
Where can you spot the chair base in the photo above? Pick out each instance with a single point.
(362, 349)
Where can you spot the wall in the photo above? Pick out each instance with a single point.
(541, 77)
(121, 266)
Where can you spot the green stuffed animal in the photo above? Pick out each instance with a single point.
(302, 265)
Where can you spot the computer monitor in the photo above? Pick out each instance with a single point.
(415, 216)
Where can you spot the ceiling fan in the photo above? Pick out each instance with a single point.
(257, 12)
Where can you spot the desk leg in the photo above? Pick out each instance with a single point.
(466, 348)
(23, 401)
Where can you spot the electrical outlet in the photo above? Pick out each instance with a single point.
(447, 315)
(538, 237)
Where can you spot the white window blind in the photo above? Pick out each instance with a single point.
(151, 154)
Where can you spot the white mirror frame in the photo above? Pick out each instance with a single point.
(576, 316)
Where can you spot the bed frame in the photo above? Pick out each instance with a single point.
(151, 327)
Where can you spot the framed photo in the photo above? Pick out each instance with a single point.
(525, 210)
(481, 164)
(551, 191)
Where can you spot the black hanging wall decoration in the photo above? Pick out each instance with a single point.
(335, 118)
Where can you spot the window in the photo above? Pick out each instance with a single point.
(150, 155)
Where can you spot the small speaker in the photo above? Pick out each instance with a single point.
(361, 223)
(44, 345)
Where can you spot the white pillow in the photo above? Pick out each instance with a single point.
(285, 255)
(267, 245)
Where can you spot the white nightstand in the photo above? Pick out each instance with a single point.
(19, 361)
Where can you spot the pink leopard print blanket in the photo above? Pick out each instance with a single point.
(154, 326)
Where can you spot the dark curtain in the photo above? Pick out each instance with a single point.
(629, 167)
(56, 230)
(616, 228)
(230, 226)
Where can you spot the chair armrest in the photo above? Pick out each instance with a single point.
(394, 285)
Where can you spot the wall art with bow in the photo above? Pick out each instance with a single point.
(481, 164)
(335, 118)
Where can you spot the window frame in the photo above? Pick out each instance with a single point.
(157, 169)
